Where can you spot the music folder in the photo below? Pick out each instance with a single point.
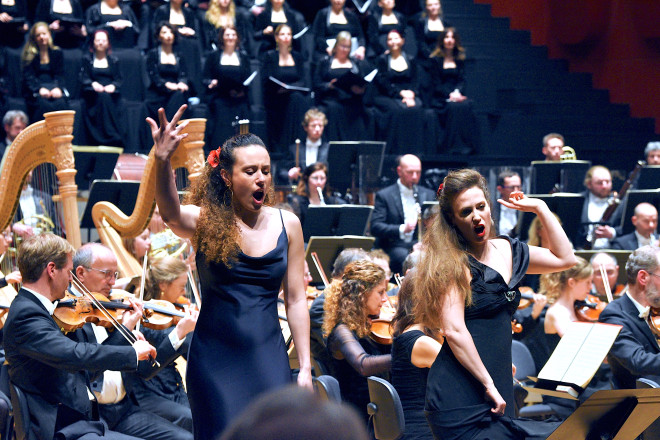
(567, 206)
(288, 86)
(327, 249)
(649, 177)
(633, 198)
(332, 220)
(564, 176)
(350, 79)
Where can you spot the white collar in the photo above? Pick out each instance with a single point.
(50, 306)
(404, 190)
(313, 144)
(643, 311)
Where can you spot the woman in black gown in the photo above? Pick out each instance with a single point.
(246, 251)
(447, 81)
(118, 20)
(284, 108)
(329, 22)
(467, 285)
(313, 179)
(379, 25)
(276, 13)
(65, 20)
(225, 71)
(100, 80)
(349, 307)
(168, 74)
(223, 13)
(343, 104)
(43, 73)
(428, 27)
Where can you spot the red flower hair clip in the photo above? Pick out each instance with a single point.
(439, 191)
(214, 157)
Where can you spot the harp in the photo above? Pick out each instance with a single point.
(47, 141)
(113, 225)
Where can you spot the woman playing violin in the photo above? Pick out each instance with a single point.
(349, 307)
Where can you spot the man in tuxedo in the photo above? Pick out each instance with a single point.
(122, 403)
(397, 209)
(635, 352)
(314, 149)
(49, 367)
(598, 181)
(14, 122)
(553, 147)
(506, 220)
(645, 221)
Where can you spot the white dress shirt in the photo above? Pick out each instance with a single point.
(410, 211)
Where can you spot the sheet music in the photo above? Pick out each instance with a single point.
(301, 33)
(250, 78)
(364, 6)
(371, 75)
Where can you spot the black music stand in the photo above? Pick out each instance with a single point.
(611, 414)
(122, 194)
(327, 248)
(94, 163)
(633, 198)
(343, 162)
(565, 205)
(566, 175)
(621, 259)
(332, 220)
(649, 177)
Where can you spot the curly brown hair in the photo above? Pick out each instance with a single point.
(345, 300)
(217, 234)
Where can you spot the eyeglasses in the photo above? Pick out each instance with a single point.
(106, 272)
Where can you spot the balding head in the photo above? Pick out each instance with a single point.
(95, 266)
(645, 219)
(409, 170)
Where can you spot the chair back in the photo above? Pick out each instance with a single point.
(327, 387)
(21, 412)
(653, 431)
(523, 360)
(385, 409)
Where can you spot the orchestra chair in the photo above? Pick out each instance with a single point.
(327, 388)
(21, 412)
(385, 409)
(525, 367)
(653, 431)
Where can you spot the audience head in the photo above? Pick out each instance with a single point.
(395, 41)
(507, 182)
(46, 258)
(553, 146)
(138, 246)
(293, 413)
(95, 265)
(576, 280)
(166, 279)
(314, 176)
(345, 257)
(314, 123)
(645, 219)
(360, 295)
(611, 267)
(100, 42)
(433, 8)
(643, 277)
(14, 121)
(449, 44)
(165, 34)
(342, 48)
(381, 258)
(228, 38)
(409, 170)
(598, 181)
(652, 153)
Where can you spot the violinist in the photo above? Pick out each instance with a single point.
(51, 369)
(611, 267)
(96, 268)
(164, 394)
(635, 352)
(349, 307)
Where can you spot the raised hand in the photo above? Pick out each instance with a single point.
(167, 135)
(521, 202)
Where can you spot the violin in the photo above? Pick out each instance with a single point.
(589, 309)
(653, 319)
(381, 331)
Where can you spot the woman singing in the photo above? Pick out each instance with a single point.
(245, 251)
(467, 286)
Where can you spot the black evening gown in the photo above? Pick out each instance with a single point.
(237, 350)
(12, 33)
(455, 404)
(157, 94)
(348, 119)
(377, 32)
(266, 42)
(50, 76)
(285, 109)
(410, 383)
(119, 39)
(323, 30)
(102, 115)
(228, 100)
(68, 36)
(458, 118)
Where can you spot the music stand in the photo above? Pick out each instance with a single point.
(332, 220)
(327, 248)
(565, 205)
(343, 162)
(649, 177)
(122, 194)
(611, 414)
(93, 163)
(621, 259)
(633, 198)
(567, 174)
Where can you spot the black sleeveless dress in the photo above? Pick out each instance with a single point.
(455, 402)
(237, 350)
(410, 383)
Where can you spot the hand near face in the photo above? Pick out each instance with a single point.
(520, 202)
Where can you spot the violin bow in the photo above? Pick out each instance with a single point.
(130, 337)
(606, 283)
(193, 287)
(142, 283)
(317, 262)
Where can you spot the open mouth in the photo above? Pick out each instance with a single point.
(259, 195)
(480, 230)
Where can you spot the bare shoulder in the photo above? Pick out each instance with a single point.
(192, 210)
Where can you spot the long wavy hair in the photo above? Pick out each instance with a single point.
(445, 264)
(458, 52)
(163, 270)
(31, 49)
(553, 284)
(217, 233)
(345, 301)
(214, 14)
(303, 186)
